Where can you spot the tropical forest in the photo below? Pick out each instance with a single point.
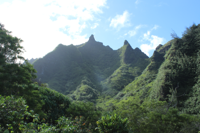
(91, 88)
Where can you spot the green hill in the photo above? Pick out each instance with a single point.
(94, 72)
(130, 92)
(133, 62)
(172, 76)
(68, 67)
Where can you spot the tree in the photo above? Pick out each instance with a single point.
(10, 47)
(16, 78)
(12, 74)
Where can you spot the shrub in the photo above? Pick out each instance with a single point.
(112, 124)
(15, 115)
(66, 125)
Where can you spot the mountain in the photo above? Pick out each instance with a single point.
(85, 71)
(132, 63)
(110, 78)
(172, 76)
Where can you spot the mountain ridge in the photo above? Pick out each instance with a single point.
(171, 76)
(69, 65)
(110, 78)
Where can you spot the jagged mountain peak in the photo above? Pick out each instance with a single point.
(137, 49)
(91, 39)
(127, 46)
(91, 59)
(126, 42)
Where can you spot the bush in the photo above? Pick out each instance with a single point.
(112, 124)
(66, 125)
(15, 115)
(154, 117)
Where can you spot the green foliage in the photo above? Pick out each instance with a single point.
(16, 117)
(88, 110)
(140, 88)
(154, 117)
(9, 46)
(14, 114)
(86, 91)
(67, 125)
(179, 67)
(124, 75)
(16, 78)
(55, 104)
(190, 41)
(133, 62)
(191, 105)
(112, 124)
(172, 121)
(138, 99)
(78, 117)
(13, 76)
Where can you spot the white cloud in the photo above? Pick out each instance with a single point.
(95, 26)
(32, 21)
(145, 48)
(134, 31)
(153, 41)
(146, 35)
(120, 21)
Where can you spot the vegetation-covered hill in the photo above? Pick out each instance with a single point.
(172, 76)
(85, 71)
(164, 97)
(94, 72)
(133, 62)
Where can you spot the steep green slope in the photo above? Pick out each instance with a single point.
(83, 71)
(133, 62)
(138, 90)
(180, 73)
(65, 67)
(60, 66)
(103, 59)
(86, 91)
(172, 76)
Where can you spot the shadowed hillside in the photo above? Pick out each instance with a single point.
(68, 67)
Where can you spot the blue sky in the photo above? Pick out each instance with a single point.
(43, 24)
